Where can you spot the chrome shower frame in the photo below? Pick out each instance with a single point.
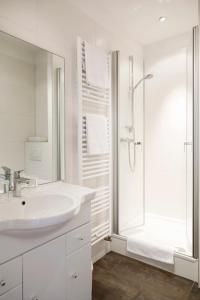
(196, 142)
(115, 140)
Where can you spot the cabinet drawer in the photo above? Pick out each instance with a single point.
(78, 238)
(10, 275)
(79, 274)
(14, 294)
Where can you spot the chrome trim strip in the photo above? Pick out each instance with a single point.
(196, 142)
(115, 92)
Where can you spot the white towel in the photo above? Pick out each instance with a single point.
(96, 66)
(97, 134)
(146, 247)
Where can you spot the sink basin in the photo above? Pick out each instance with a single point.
(39, 211)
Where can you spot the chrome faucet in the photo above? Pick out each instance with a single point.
(9, 176)
(20, 183)
(15, 182)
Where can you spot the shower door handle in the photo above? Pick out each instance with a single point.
(187, 144)
(138, 144)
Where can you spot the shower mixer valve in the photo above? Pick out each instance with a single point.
(127, 140)
(130, 140)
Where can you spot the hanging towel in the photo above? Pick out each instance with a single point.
(97, 134)
(96, 66)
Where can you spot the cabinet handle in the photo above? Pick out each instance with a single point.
(75, 275)
(80, 238)
(35, 298)
(2, 283)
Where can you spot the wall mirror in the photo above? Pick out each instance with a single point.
(31, 110)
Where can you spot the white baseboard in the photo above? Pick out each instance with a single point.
(186, 267)
(99, 250)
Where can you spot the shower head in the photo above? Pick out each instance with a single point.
(148, 76)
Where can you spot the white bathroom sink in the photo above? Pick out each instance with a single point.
(38, 211)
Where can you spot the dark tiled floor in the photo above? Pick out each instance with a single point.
(117, 277)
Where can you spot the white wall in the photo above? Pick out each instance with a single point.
(166, 98)
(17, 103)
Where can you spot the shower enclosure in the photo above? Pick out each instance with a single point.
(155, 116)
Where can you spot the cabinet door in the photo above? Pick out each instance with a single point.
(79, 274)
(14, 294)
(10, 275)
(44, 272)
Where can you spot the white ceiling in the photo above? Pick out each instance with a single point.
(138, 19)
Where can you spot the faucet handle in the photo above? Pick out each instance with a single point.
(18, 173)
(7, 170)
(33, 182)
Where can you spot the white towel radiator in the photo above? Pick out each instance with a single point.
(95, 170)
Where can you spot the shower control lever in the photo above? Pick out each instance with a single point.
(130, 140)
(127, 140)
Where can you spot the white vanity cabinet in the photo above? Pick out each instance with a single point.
(58, 269)
(51, 262)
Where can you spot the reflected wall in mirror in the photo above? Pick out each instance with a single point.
(31, 110)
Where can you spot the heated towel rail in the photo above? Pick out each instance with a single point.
(95, 170)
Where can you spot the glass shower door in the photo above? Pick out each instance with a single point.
(188, 146)
(195, 171)
(130, 144)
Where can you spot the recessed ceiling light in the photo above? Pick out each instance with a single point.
(162, 19)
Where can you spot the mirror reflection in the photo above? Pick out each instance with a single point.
(31, 107)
